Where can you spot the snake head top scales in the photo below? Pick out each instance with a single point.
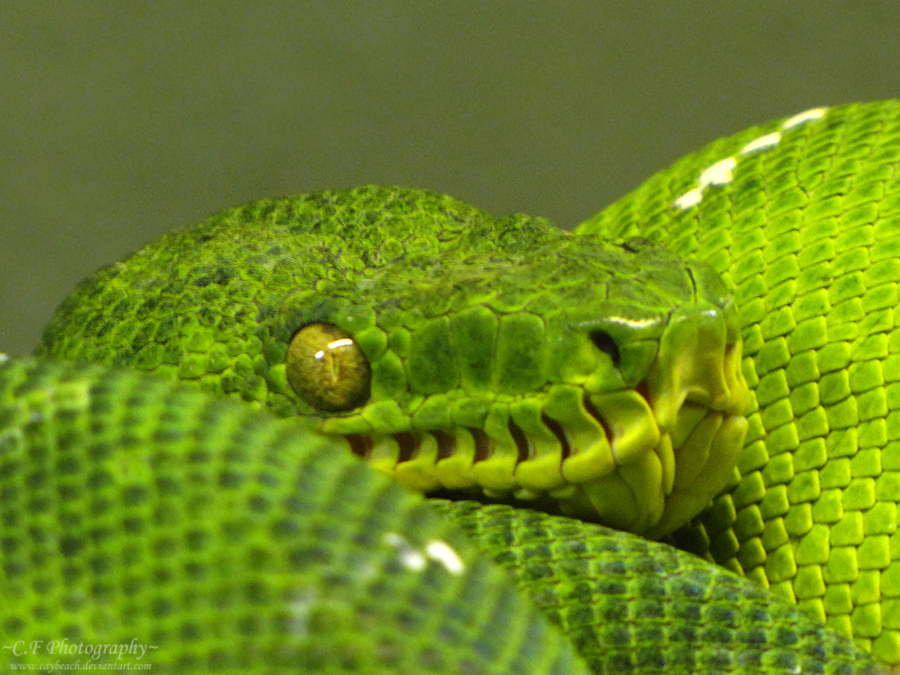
(452, 349)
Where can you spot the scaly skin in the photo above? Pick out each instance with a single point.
(806, 228)
(482, 345)
(145, 514)
(490, 353)
(141, 515)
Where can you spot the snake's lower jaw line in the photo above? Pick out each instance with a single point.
(705, 461)
(676, 443)
(645, 459)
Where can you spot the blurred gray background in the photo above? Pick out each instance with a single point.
(120, 121)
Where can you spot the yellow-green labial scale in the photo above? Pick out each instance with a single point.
(806, 226)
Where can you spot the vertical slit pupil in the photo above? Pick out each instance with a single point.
(604, 342)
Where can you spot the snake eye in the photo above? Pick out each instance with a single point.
(604, 342)
(327, 369)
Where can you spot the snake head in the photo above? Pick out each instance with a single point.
(599, 378)
(455, 350)
(672, 435)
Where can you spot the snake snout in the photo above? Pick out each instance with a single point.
(671, 442)
(699, 396)
(699, 363)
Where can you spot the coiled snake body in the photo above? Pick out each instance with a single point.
(612, 381)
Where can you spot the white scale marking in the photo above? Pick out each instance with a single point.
(410, 557)
(307, 600)
(761, 143)
(415, 560)
(717, 174)
(721, 173)
(689, 199)
(443, 553)
(805, 116)
(301, 608)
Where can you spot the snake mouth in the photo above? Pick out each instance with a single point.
(645, 459)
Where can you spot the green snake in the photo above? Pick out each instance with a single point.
(722, 340)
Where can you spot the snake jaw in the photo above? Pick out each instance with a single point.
(644, 459)
(648, 459)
